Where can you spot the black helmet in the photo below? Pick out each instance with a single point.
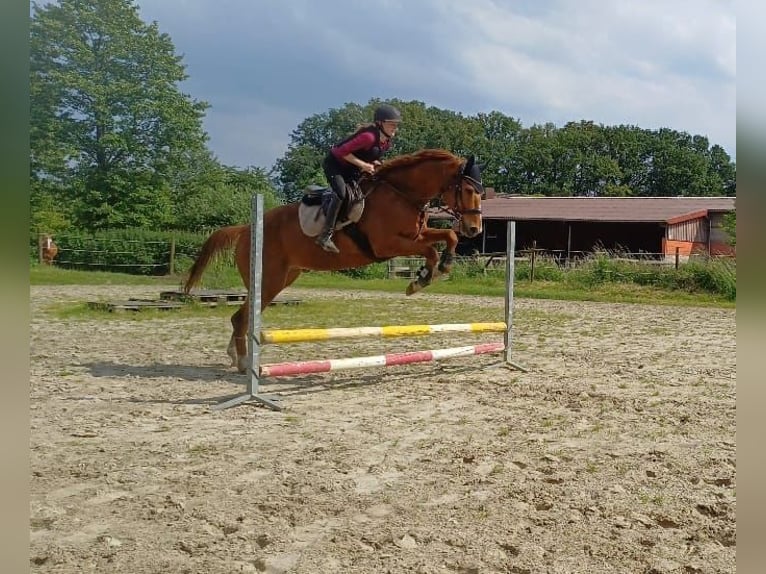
(386, 113)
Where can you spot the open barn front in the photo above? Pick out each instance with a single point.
(570, 239)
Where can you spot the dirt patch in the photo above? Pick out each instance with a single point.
(615, 453)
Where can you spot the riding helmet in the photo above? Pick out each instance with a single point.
(387, 113)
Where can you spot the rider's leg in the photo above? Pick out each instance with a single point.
(324, 240)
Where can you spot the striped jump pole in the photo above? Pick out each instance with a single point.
(305, 335)
(307, 367)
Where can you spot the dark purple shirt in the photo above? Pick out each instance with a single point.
(361, 141)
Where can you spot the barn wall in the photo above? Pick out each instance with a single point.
(697, 236)
(686, 248)
(692, 231)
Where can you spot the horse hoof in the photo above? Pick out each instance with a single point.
(413, 287)
(445, 262)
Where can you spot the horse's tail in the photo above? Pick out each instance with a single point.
(218, 241)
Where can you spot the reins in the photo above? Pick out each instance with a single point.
(455, 211)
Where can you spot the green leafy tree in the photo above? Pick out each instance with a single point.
(109, 124)
(498, 150)
(212, 195)
(579, 159)
(423, 127)
(729, 225)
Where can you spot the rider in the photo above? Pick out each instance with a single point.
(349, 159)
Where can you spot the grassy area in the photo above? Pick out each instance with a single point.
(226, 277)
(51, 275)
(494, 286)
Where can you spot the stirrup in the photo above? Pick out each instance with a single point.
(326, 243)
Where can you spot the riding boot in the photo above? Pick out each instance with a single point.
(324, 240)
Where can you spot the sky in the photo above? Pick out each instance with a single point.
(264, 66)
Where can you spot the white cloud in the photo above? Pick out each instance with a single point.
(651, 63)
(270, 64)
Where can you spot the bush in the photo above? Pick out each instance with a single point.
(713, 276)
(546, 269)
(371, 271)
(717, 276)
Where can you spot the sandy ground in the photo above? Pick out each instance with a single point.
(615, 453)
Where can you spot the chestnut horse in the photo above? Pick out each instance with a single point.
(48, 250)
(392, 224)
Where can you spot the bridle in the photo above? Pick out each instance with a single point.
(457, 211)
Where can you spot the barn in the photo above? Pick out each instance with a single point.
(568, 227)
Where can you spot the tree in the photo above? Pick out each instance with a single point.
(729, 225)
(217, 196)
(109, 124)
(580, 159)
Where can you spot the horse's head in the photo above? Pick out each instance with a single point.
(435, 174)
(466, 198)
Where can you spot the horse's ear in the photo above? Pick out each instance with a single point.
(469, 164)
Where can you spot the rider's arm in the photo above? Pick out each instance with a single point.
(345, 152)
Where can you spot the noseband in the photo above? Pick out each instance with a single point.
(457, 210)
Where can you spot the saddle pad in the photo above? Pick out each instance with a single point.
(312, 217)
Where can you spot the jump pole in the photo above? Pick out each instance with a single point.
(388, 360)
(253, 335)
(281, 336)
(510, 270)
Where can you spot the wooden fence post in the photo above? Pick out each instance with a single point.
(171, 265)
(678, 249)
(532, 261)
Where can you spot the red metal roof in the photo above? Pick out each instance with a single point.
(618, 209)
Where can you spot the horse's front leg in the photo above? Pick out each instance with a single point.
(434, 236)
(398, 246)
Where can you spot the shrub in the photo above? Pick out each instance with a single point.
(371, 271)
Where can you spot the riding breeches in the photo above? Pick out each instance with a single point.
(340, 176)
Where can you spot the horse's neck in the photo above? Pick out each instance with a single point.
(419, 186)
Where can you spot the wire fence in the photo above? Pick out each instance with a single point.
(174, 255)
(125, 254)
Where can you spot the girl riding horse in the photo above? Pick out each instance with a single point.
(346, 161)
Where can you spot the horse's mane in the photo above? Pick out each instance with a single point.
(411, 159)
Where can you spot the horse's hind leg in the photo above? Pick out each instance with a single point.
(240, 320)
(237, 348)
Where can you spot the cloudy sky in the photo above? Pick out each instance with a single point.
(266, 65)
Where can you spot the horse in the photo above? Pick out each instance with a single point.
(48, 250)
(392, 223)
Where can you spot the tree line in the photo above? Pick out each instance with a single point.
(578, 159)
(115, 143)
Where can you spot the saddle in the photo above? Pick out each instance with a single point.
(312, 211)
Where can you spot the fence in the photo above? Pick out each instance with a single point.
(172, 255)
(121, 254)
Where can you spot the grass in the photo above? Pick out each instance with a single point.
(493, 286)
(51, 275)
(222, 276)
